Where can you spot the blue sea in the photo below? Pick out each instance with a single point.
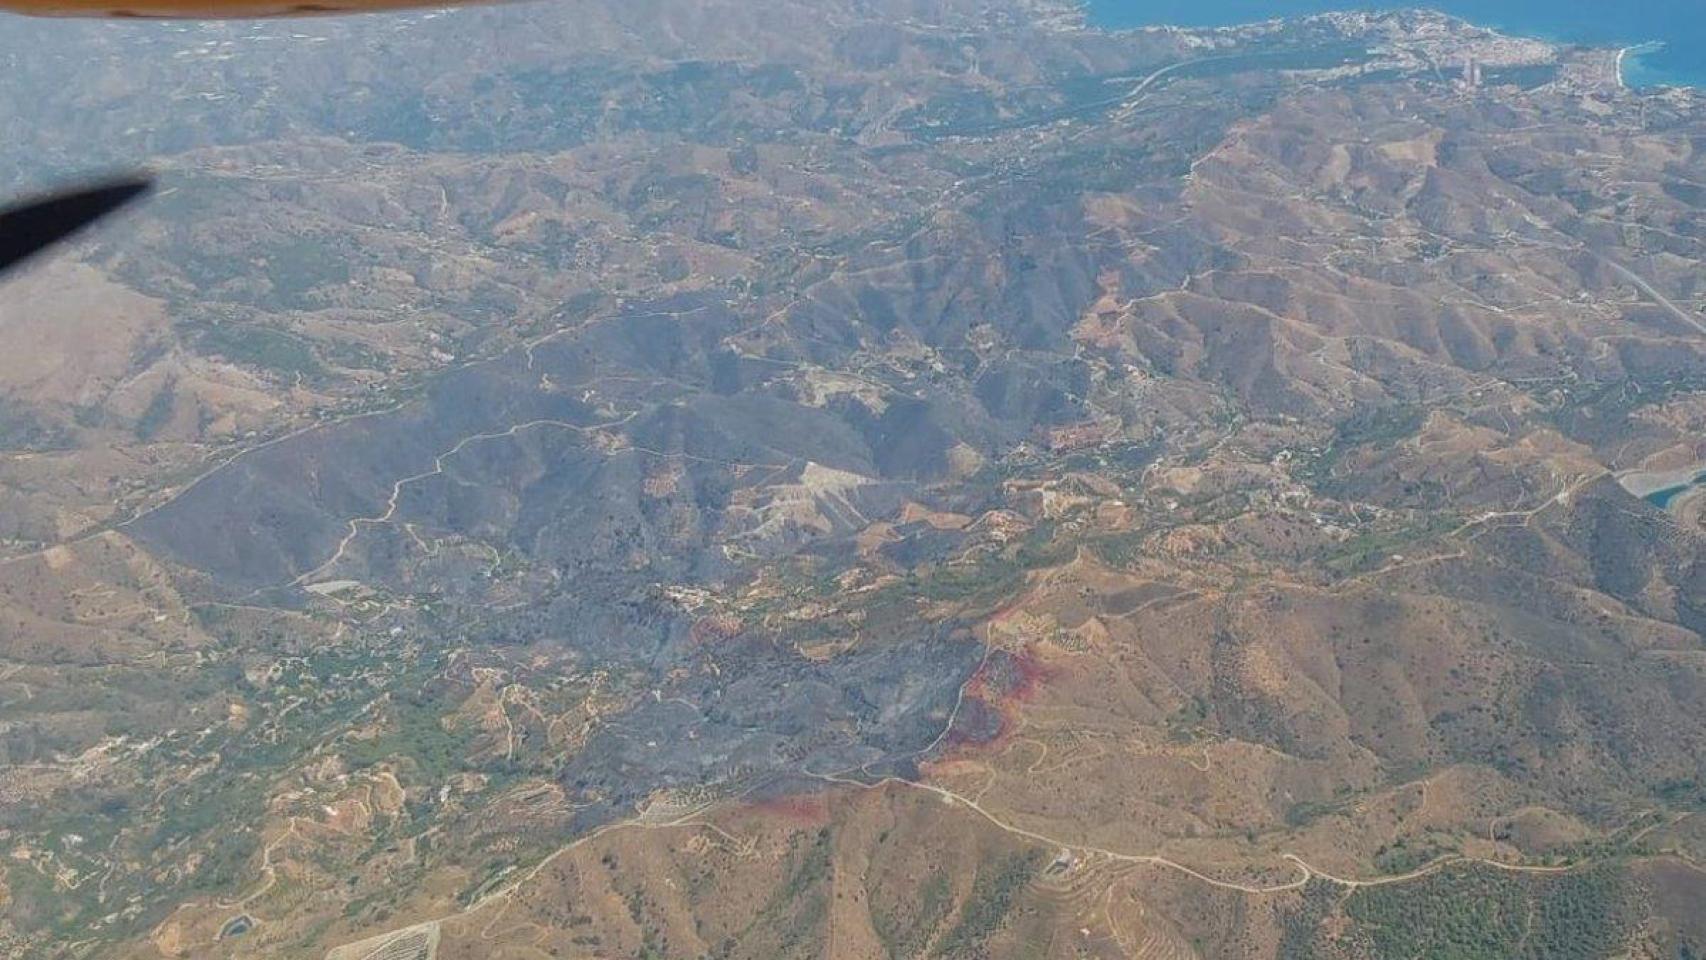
(1676, 28)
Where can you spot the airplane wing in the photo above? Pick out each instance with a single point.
(34, 225)
(28, 228)
(206, 9)
(31, 227)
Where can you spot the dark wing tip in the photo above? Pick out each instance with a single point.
(31, 227)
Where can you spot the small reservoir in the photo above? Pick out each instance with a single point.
(1664, 497)
(1663, 488)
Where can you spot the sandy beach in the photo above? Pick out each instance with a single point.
(1651, 46)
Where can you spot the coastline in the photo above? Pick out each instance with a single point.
(1631, 75)
(1633, 50)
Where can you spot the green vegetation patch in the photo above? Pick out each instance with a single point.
(262, 347)
(296, 267)
(1379, 427)
(1371, 548)
(903, 930)
(1187, 723)
(159, 412)
(416, 731)
(989, 903)
(1479, 913)
(793, 916)
(1407, 854)
(1303, 926)
(1683, 793)
(992, 578)
(1306, 812)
